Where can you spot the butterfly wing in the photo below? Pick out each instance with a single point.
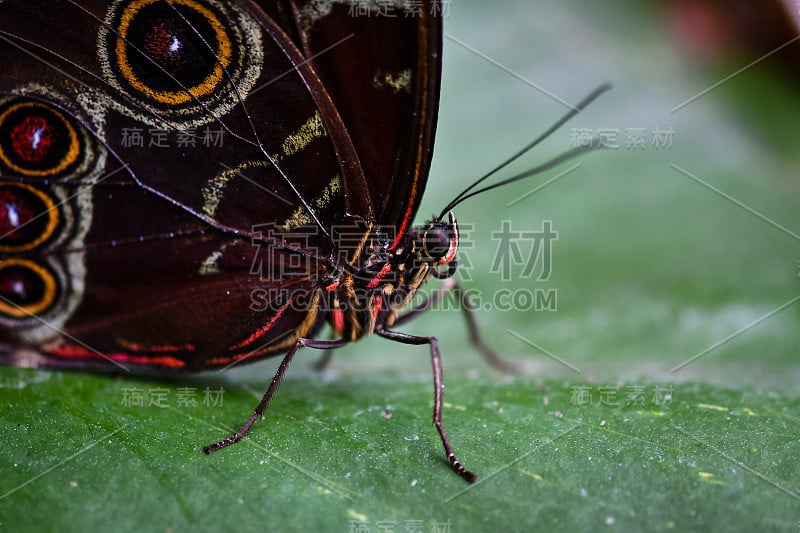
(384, 78)
(171, 177)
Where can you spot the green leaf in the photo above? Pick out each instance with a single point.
(549, 455)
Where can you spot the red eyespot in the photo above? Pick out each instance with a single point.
(28, 217)
(37, 140)
(26, 288)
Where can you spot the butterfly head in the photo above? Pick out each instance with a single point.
(436, 244)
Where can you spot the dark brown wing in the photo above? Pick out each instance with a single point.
(143, 253)
(148, 254)
(381, 66)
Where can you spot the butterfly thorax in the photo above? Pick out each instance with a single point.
(383, 276)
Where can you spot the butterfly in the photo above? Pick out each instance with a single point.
(189, 185)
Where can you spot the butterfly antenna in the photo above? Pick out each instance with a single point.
(469, 192)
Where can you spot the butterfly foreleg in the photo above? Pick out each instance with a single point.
(438, 383)
(467, 308)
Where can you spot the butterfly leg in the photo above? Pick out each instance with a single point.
(272, 389)
(495, 361)
(324, 361)
(436, 361)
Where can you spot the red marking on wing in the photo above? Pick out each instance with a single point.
(71, 351)
(263, 330)
(216, 361)
(406, 220)
(225, 360)
(137, 347)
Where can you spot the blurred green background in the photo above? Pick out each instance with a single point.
(663, 253)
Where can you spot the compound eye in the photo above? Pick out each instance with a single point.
(437, 243)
